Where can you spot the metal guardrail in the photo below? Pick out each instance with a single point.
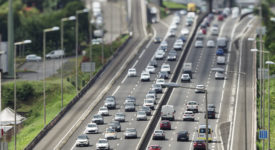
(49, 126)
(164, 101)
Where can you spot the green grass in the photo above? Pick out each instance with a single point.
(163, 12)
(33, 107)
(272, 115)
(173, 5)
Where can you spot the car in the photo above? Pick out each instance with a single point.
(203, 31)
(177, 46)
(146, 109)
(159, 55)
(145, 76)
(153, 62)
(214, 30)
(102, 144)
(103, 111)
(110, 134)
(33, 57)
(154, 147)
(211, 106)
(110, 102)
(141, 115)
(151, 96)
(130, 99)
(153, 92)
(183, 136)
(210, 44)
(157, 40)
(185, 77)
(211, 113)
(220, 60)
(183, 38)
(165, 125)
(192, 106)
(198, 44)
(157, 88)
(150, 69)
(55, 54)
(132, 72)
(158, 134)
(172, 33)
(82, 140)
(219, 75)
(165, 67)
(160, 81)
(149, 103)
(163, 75)
(120, 116)
(115, 125)
(163, 45)
(91, 128)
(171, 56)
(130, 133)
(188, 116)
(199, 145)
(200, 89)
(98, 119)
(129, 107)
(220, 52)
(200, 37)
(184, 31)
(220, 17)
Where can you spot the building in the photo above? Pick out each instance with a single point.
(4, 57)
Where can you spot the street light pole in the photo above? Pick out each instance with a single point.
(44, 67)
(91, 46)
(62, 48)
(14, 84)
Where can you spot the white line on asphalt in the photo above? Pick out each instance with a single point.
(141, 54)
(135, 64)
(116, 90)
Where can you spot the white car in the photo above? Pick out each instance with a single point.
(220, 60)
(214, 31)
(171, 33)
(149, 103)
(110, 134)
(102, 144)
(120, 116)
(179, 41)
(159, 54)
(145, 76)
(160, 81)
(188, 115)
(185, 77)
(164, 45)
(33, 57)
(219, 75)
(210, 44)
(184, 31)
(165, 68)
(103, 111)
(192, 106)
(150, 69)
(198, 44)
(141, 115)
(177, 46)
(91, 128)
(132, 72)
(82, 140)
(200, 89)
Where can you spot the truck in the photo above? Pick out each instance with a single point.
(187, 69)
(222, 43)
(191, 7)
(168, 112)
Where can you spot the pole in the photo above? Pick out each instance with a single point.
(44, 80)
(91, 47)
(76, 53)
(206, 120)
(14, 97)
(10, 39)
(111, 47)
(245, 120)
(62, 47)
(268, 108)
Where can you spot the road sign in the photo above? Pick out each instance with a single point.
(88, 67)
(263, 134)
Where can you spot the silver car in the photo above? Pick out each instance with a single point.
(33, 57)
(210, 44)
(141, 115)
(120, 116)
(199, 44)
(130, 133)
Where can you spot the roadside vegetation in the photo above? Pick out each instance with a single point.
(269, 45)
(168, 6)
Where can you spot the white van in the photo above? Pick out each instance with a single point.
(55, 54)
(167, 112)
(220, 60)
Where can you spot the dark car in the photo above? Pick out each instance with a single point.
(220, 52)
(157, 40)
(183, 38)
(199, 145)
(115, 125)
(165, 125)
(183, 136)
(153, 62)
(211, 113)
(163, 75)
(130, 107)
(146, 109)
(220, 17)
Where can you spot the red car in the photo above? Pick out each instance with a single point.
(154, 147)
(199, 145)
(203, 31)
(165, 125)
(220, 18)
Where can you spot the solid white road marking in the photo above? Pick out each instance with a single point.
(116, 90)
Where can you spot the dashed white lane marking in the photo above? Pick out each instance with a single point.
(141, 54)
(116, 90)
(135, 64)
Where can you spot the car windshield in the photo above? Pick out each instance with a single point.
(91, 125)
(149, 101)
(141, 113)
(110, 130)
(82, 137)
(203, 130)
(158, 131)
(103, 108)
(131, 130)
(97, 116)
(155, 146)
(192, 103)
(102, 141)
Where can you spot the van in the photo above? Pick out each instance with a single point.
(167, 112)
(55, 54)
(187, 69)
(222, 43)
(220, 60)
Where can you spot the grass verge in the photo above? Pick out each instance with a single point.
(173, 5)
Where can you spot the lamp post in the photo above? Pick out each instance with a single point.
(175, 85)
(44, 67)
(269, 63)
(76, 45)
(91, 45)
(14, 83)
(62, 47)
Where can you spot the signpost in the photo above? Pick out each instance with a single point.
(88, 67)
(263, 134)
